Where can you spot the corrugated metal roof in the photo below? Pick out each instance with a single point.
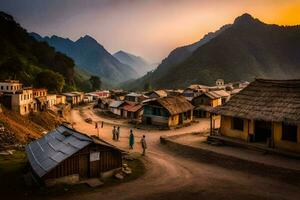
(47, 152)
(132, 107)
(133, 94)
(116, 104)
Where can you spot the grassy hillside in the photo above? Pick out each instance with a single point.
(24, 58)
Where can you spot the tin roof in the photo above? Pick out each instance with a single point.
(59, 144)
(132, 107)
(47, 152)
(116, 104)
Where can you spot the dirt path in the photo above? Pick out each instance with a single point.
(171, 176)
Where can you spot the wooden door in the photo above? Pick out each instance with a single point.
(84, 166)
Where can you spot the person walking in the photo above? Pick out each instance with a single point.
(114, 133)
(102, 124)
(118, 133)
(144, 144)
(131, 139)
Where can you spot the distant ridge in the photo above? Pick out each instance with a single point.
(140, 65)
(246, 49)
(92, 57)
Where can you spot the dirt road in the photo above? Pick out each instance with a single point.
(172, 176)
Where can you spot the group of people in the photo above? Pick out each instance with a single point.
(116, 136)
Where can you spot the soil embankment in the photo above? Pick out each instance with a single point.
(17, 129)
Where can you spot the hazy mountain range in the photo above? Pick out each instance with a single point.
(244, 50)
(93, 58)
(140, 65)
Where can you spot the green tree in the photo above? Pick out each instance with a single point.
(96, 82)
(51, 80)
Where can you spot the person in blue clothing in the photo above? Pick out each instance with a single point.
(131, 139)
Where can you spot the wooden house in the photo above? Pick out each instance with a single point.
(134, 97)
(65, 155)
(133, 111)
(168, 111)
(266, 112)
(116, 107)
(194, 90)
(157, 94)
(208, 100)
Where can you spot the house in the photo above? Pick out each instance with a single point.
(60, 99)
(102, 93)
(51, 100)
(206, 101)
(74, 98)
(194, 91)
(22, 101)
(133, 111)
(157, 94)
(40, 98)
(10, 86)
(176, 92)
(118, 95)
(88, 98)
(220, 82)
(116, 107)
(39, 92)
(65, 155)
(168, 111)
(94, 96)
(265, 112)
(104, 103)
(134, 97)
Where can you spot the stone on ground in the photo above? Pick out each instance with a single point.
(119, 176)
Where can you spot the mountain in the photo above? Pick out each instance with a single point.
(24, 58)
(92, 57)
(181, 53)
(140, 65)
(246, 49)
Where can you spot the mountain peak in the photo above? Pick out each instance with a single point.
(121, 52)
(245, 19)
(87, 38)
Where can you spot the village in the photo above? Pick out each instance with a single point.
(233, 128)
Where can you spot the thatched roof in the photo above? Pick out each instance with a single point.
(269, 100)
(175, 104)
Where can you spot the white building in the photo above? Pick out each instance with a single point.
(220, 82)
(51, 100)
(22, 101)
(10, 86)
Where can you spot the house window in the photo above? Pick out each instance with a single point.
(289, 132)
(237, 124)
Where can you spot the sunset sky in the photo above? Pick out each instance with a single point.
(149, 28)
